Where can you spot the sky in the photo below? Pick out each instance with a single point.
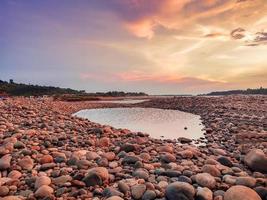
(152, 46)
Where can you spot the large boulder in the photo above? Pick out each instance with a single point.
(180, 190)
(241, 193)
(256, 160)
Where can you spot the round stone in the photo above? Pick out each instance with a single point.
(44, 191)
(5, 162)
(241, 193)
(96, 176)
(42, 180)
(206, 180)
(138, 191)
(180, 190)
(46, 159)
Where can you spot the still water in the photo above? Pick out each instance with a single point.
(126, 101)
(156, 122)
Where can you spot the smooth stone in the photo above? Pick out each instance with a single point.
(26, 163)
(123, 187)
(204, 194)
(262, 192)
(44, 191)
(62, 180)
(46, 159)
(206, 180)
(180, 190)
(241, 193)
(11, 198)
(212, 170)
(110, 191)
(225, 161)
(114, 198)
(256, 160)
(4, 191)
(14, 174)
(5, 162)
(138, 191)
(246, 181)
(42, 180)
(167, 158)
(141, 173)
(149, 195)
(130, 160)
(96, 176)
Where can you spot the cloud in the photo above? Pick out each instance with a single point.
(250, 39)
(238, 33)
(140, 76)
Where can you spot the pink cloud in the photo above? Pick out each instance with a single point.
(139, 76)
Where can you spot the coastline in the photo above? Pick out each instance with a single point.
(79, 159)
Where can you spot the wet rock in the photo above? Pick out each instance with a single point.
(180, 190)
(241, 193)
(256, 160)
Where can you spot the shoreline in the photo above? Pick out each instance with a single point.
(74, 158)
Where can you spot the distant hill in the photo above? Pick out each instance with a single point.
(259, 91)
(19, 89)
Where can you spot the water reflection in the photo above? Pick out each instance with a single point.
(156, 122)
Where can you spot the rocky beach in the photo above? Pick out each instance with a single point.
(46, 153)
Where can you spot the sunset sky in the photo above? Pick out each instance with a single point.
(154, 46)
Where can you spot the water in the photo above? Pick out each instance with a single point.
(128, 101)
(155, 122)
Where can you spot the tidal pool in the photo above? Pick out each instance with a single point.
(158, 123)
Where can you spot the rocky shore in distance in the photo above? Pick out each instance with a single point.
(45, 153)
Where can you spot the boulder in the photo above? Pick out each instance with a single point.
(256, 160)
(180, 190)
(241, 193)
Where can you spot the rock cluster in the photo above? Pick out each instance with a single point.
(45, 153)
